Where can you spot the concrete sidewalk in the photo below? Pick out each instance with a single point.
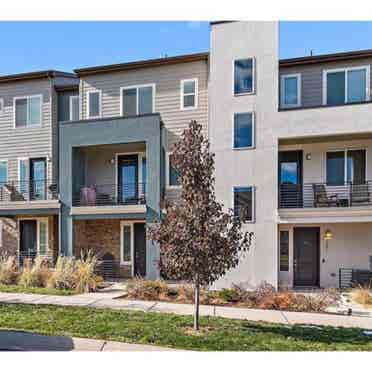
(107, 300)
(28, 341)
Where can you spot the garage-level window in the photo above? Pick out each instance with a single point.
(244, 203)
(126, 243)
(284, 251)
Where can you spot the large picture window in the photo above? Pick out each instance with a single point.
(27, 111)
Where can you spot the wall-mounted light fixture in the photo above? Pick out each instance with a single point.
(328, 235)
(308, 156)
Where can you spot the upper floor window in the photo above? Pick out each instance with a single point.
(27, 111)
(1, 105)
(244, 76)
(74, 108)
(172, 174)
(244, 203)
(290, 90)
(243, 130)
(189, 94)
(137, 100)
(346, 85)
(94, 104)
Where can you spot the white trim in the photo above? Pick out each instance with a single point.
(1, 105)
(19, 168)
(253, 220)
(344, 150)
(71, 98)
(346, 70)
(28, 99)
(253, 146)
(131, 225)
(253, 77)
(152, 85)
(7, 168)
(282, 90)
(99, 103)
(167, 168)
(183, 94)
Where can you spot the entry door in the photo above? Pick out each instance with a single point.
(28, 239)
(290, 179)
(139, 249)
(128, 178)
(306, 256)
(38, 179)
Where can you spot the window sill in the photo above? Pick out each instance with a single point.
(322, 106)
(244, 94)
(244, 148)
(189, 108)
(27, 126)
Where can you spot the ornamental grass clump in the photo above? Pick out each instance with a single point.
(9, 271)
(35, 274)
(85, 279)
(63, 275)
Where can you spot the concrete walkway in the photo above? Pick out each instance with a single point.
(107, 300)
(28, 341)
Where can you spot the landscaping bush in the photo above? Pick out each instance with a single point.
(9, 272)
(85, 279)
(35, 274)
(362, 295)
(149, 290)
(63, 275)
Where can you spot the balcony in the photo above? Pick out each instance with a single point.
(110, 195)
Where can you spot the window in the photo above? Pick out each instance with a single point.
(289, 173)
(27, 111)
(346, 166)
(189, 94)
(346, 85)
(138, 100)
(1, 233)
(94, 104)
(243, 130)
(43, 237)
(284, 251)
(3, 172)
(243, 203)
(1, 105)
(126, 243)
(74, 108)
(244, 76)
(172, 173)
(23, 175)
(290, 90)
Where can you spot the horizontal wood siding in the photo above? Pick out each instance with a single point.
(312, 78)
(25, 142)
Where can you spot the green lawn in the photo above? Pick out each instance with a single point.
(169, 330)
(35, 290)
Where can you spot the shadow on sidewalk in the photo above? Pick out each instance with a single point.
(27, 341)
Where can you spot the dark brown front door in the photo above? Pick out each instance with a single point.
(139, 249)
(28, 239)
(306, 256)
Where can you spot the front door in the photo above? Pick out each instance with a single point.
(306, 256)
(28, 239)
(38, 179)
(139, 249)
(290, 179)
(127, 179)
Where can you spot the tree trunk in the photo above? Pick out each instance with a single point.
(196, 305)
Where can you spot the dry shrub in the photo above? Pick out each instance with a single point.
(9, 271)
(362, 295)
(143, 289)
(186, 294)
(35, 274)
(63, 275)
(85, 279)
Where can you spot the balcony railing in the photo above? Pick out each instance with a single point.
(349, 278)
(322, 195)
(32, 190)
(110, 194)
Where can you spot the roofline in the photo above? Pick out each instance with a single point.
(219, 22)
(142, 64)
(334, 57)
(35, 75)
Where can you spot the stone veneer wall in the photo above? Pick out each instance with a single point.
(100, 236)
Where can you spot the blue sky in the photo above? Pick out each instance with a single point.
(31, 46)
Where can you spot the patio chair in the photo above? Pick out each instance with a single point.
(14, 194)
(359, 194)
(322, 199)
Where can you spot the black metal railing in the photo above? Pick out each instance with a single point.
(28, 190)
(110, 194)
(349, 278)
(322, 195)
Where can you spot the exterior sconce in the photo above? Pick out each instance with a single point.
(112, 161)
(328, 235)
(308, 156)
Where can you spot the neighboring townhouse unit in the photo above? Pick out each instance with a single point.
(85, 158)
(293, 156)
(29, 205)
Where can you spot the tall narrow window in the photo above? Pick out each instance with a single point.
(189, 94)
(43, 237)
(27, 111)
(74, 108)
(244, 203)
(127, 241)
(23, 174)
(243, 130)
(3, 172)
(284, 251)
(290, 90)
(94, 104)
(244, 76)
(138, 100)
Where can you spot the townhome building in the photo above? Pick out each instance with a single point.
(85, 157)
